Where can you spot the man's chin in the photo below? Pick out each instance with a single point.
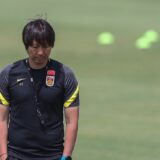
(40, 62)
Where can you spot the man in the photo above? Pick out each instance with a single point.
(34, 92)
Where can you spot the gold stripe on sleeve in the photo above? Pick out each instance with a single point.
(3, 100)
(72, 98)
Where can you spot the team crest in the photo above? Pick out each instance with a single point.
(50, 78)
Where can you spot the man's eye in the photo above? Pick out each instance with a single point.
(35, 47)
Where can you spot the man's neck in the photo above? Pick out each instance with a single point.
(37, 65)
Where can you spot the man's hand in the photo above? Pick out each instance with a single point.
(4, 156)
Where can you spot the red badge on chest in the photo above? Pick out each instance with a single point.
(50, 78)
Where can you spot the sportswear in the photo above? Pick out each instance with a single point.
(36, 105)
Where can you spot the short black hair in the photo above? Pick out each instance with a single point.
(40, 31)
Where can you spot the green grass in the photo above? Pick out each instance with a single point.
(119, 117)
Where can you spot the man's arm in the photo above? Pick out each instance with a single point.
(71, 115)
(4, 131)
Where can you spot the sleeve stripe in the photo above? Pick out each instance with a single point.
(72, 98)
(3, 100)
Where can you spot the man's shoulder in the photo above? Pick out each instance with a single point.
(61, 67)
(18, 62)
(55, 62)
(7, 69)
(58, 66)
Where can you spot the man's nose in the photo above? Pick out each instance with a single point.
(41, 51)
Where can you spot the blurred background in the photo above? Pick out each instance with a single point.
(119, 82)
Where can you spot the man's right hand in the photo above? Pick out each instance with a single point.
(4, 157)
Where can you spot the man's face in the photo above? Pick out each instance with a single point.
(38, 54)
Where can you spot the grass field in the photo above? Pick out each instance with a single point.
(120, 85)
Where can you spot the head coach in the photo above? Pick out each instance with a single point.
(35, 94)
